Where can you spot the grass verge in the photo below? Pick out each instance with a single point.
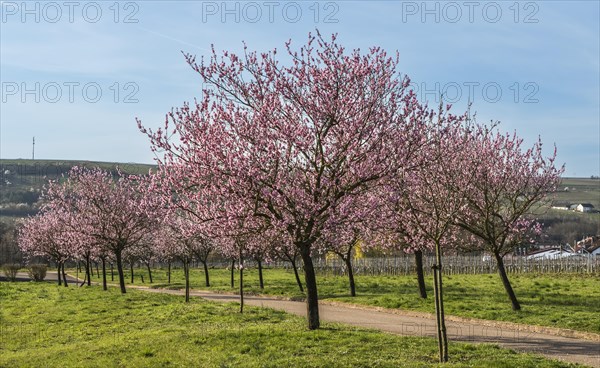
(51, 326)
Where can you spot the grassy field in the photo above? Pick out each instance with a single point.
(555, 300)
(46, 325)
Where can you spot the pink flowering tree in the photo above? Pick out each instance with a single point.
(350, 223)
(84, 250)
(102, 254)
(104, 209)
(505, 188)
(178, 239)
(270, 244)
(161, 239)
(148, 255)
(395, 234)
(242, 237)
(136, 254)
(290, 142)
(207, 217)
(427, 198)
(185, 219)
(202, 249)
(261, 253)
(62, 229)
(286, 251)
(46, 235)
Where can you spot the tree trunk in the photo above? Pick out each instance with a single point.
(149, 271)
(348, 262)
(85, 275)
(443, 314)
(232, 273)
(97, 271)
(436, 294)
(439, 306)
(104, 287)
(120, 271)
(420, 273)
(64, 275)
(112, 273)
(131, 268)
(88, 270)
(260, 275)
(58, 274)
(169, 272)
(312, 298)
(186, 272)
(506, 282)
(241, 263)
(206, 273)
(297, 276)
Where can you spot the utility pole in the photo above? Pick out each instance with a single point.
(33, 150)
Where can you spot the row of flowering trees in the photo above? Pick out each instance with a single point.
(330, 150)
(88, 216)
(94, 215)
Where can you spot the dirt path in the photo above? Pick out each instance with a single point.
(567, 349)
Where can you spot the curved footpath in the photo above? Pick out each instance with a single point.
(568, 349)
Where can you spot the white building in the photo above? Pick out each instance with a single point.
(550, 253)
(585, 207)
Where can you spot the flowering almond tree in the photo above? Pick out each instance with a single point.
(287, 252)
(106, 210)
(45, 235)
(241, 237)
(505, 187)
(395, 235)
(178, 238)
(202, 249)
(103, 255)
(426, 199)
(207, 217)
(291, 142)
(350, 222)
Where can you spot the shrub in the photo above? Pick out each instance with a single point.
(37, 272)
(10, 270)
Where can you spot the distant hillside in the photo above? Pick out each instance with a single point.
(21, 181)
(579, 190)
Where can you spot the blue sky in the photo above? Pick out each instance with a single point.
(76, 74)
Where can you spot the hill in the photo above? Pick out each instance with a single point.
(579, 190)
(22, 181)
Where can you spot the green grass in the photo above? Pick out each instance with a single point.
(46, 325)
(569, 301)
